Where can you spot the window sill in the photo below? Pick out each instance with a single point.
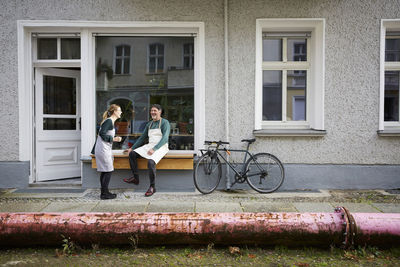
(155, 73)
(290, 132)
(392, 132)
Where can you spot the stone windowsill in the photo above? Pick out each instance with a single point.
(289, 132)
(391, 132)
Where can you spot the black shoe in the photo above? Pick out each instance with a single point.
(108, 195)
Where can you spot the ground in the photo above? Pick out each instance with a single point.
(198, 256)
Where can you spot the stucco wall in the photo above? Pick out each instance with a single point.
(208, 11)
(351, 77)
(352, 46)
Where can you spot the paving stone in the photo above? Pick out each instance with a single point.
(22, 207)
(387, 207)
(120, 206)
(69, 207)
(268, 207)
(170, 206)
(313, 207)
(218, 207)
(356, 207)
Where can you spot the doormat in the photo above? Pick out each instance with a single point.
(50, 191)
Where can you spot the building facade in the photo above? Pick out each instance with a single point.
(316, 82)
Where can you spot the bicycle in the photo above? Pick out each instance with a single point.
(264, 172)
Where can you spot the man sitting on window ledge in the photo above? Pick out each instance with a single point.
(157, 130)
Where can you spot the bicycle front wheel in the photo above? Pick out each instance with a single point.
(207, 173)
(265, 173)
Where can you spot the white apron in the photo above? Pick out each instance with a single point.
(103, 153)
(155, 136)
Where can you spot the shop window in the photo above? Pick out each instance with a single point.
(172, 89)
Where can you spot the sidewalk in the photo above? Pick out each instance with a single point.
(87, 200)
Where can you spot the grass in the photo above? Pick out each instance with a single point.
(201, 256)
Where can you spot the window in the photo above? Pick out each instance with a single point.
(122, 59)
(156, 58)
(188, 56)
(172, 89)
(285, 66)
(392, 78)
(289, 75)
(57, 48)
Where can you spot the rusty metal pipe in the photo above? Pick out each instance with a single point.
(290, 229)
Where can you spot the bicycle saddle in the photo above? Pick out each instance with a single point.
(250, 141)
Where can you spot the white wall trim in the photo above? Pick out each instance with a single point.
(87, 29)
(315, 116)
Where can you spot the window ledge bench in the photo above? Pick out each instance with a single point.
(171, 161)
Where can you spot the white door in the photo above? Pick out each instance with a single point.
(57, 124)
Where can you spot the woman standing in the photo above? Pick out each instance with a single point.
(103, 149)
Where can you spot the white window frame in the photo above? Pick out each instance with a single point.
(190, 55)
(58, 61)
(315, 74)
(88, 30)
(123, 57)
(284, 66)
(156, 56)
(387, 127)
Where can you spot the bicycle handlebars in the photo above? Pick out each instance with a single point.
(216, 142)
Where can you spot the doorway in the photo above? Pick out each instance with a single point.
(57, 124)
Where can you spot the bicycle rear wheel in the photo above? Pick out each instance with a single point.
(207, 173)
(265, 173)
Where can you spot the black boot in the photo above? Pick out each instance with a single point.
(107, 195)
(105, 180)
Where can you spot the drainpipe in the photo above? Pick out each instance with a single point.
(338, 228)
(228, 182)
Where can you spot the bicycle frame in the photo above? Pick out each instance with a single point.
(218, 150)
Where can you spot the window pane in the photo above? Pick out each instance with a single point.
(160, 49)
(186, 62)
(126, 66)
(186, 48)
(119, 51)
(392, 51)
(172, 89)
(70, 48)
(59, 124)
(59, 95)
(272, 49)
(152, 49)
(47, 48)
(297, 49)
(296, 95)
(152, 65)
(127, 51)
(391, 105)
(160, 64)
(272, 95)
(118, 66)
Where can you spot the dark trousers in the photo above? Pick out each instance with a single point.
(151, 165)
(105, 178)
